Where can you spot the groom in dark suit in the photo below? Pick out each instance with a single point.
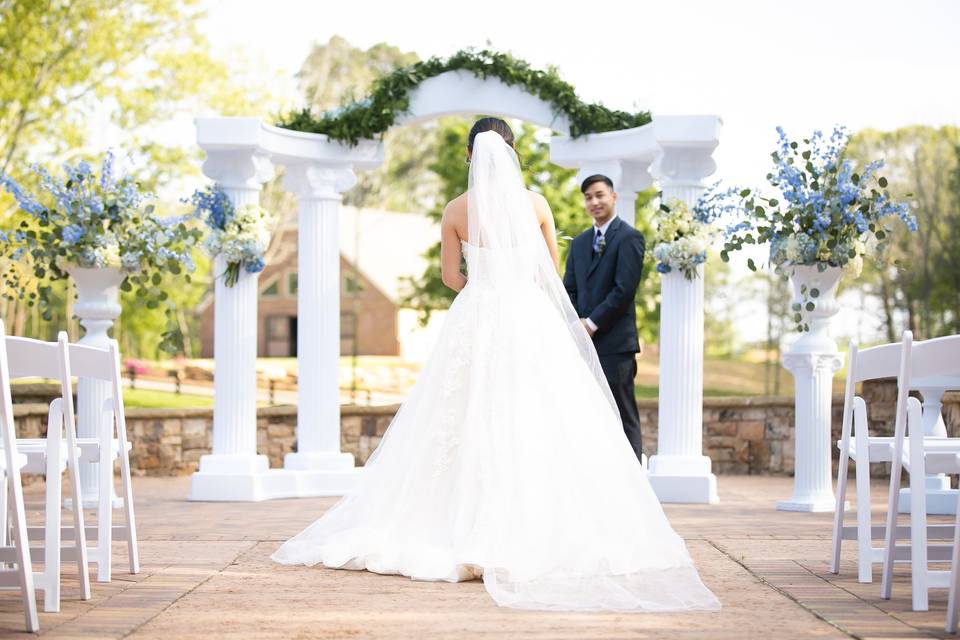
(603, 272)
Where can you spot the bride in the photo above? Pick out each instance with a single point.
(508, 460)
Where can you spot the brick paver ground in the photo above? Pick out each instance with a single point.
(207, 573)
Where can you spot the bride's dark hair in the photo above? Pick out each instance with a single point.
(490, 124)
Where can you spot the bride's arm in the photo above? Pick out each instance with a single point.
(450, 253)
(548, 228)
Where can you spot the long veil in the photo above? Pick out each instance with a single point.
(501, 219)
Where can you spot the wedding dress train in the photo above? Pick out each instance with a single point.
(508, 460)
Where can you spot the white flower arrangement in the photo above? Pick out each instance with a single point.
(682, 238)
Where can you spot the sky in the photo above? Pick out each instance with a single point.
(802, 65)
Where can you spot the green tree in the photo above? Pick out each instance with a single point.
(337, 73)
(924, 286)
(558, 185)
(79, 69)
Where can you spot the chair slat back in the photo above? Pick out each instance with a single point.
(87, 361)
(29, 358)
(882, 361)
(935, 357)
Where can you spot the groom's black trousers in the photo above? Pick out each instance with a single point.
(620, 370)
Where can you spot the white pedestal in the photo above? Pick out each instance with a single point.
(680, 472)
(813, 359)
(98, 305)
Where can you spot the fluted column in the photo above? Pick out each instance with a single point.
(679, 472)
(318, 189)
(812, 360)
(234, 470)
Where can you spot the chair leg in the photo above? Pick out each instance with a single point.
(21, 542)
(4, 524)
(890, 530)
(919, 578)
(952, 613)
(133, 549)
(51, 534)
(79, 530)
(105, 514)
(838, 512)
(864, 519)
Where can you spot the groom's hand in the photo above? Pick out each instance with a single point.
(588, 326)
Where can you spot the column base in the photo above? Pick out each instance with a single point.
(223, 478)
(230, 478)
(817, 504)
(93, 503)
(940, 502)
(686, 489)
(318, 461)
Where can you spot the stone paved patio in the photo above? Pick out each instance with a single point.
(207, 573)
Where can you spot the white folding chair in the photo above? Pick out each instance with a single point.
(920, 455)
(110, 443)
(11, 501)
(50, 456)
(870, 364)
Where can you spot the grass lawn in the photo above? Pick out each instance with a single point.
(149, 399)
(649, 391)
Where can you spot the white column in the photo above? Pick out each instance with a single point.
(97, 306)
(234, 471)
(812, 360)
(328, 471)
(634, 177)
(680, 472)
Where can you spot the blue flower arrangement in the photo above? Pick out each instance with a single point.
(90, 220)
(830, 214)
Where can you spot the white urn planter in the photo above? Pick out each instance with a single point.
(97, 306)
(812, 360)
(680, 472)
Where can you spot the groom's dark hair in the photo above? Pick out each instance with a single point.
(597, 177)
(490, 124)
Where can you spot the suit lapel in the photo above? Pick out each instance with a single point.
(611, 233)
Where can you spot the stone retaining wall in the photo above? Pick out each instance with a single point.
(741, 435)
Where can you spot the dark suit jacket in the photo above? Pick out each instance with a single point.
(603, 287)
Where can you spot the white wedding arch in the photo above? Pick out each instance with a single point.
(675, 152)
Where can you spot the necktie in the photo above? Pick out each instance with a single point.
(598, 242)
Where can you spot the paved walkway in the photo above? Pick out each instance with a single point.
(206, 573)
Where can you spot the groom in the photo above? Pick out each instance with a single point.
(603, 272)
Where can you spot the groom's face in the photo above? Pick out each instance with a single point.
(599, 200)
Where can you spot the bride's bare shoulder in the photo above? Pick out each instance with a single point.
(540, 203)
(456, 207)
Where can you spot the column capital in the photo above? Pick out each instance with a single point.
(684, 164)
(319, 181)
(238, 168)
(811, 362)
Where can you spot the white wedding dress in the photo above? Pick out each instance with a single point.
(508, 460)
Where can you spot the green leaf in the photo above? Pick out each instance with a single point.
(882, 182)
(814, 293)
(751, 265)
(810, 306)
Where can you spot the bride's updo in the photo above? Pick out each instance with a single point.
(490, 124)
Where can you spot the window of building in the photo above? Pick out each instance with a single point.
(292, 283)
(271, 289)
(352, 284)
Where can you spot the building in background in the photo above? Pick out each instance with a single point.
(378, 249)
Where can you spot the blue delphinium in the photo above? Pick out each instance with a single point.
(829, 211)
(79, 218)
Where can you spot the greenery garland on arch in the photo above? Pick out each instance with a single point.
(390, 98)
